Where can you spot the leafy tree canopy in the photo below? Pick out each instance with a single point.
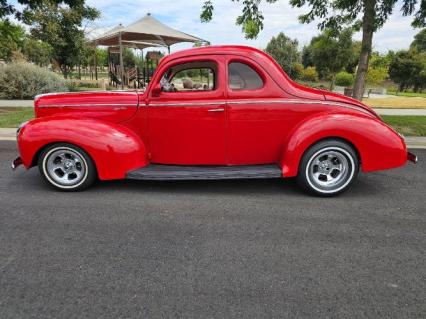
(62, 28)
(331, 53)
(419, 42)
(334, 14)
(285, 51)
(37, 51)
(9, 7)
(406, 68)
(11, 39)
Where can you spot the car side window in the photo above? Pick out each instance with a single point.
(190, 77)
(243, 77)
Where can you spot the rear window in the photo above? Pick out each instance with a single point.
(243, 77)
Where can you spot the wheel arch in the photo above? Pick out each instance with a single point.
(333, 138)
(37, 154)
(114, 148)
(369, 137)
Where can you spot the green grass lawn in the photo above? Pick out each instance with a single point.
(12, 116)
(407, 125)
(406, 94)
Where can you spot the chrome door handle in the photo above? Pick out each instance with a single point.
(216, 110)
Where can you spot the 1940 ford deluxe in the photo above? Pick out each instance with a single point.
(217, 112)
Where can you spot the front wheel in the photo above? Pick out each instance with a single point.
(328, 168)
(66, 167)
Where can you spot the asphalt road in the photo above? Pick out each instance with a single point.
(222, 249)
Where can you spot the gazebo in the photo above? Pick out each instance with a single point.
(144, 33)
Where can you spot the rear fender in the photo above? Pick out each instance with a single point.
(114, 148)
(379, 147)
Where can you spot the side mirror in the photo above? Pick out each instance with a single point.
(156, 90)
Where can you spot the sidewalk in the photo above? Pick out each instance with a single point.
(415, 112)
(9, 134)
(16, 103)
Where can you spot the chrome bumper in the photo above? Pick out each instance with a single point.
(411, 157)
(16, 163)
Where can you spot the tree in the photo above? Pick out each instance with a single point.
(419, 42)
(334, 14)
(353, 62)
(378, 68)
(129, 59)
(307, 58)
(8, 8)
(404, 68)
(419, 78)
(331, 53)
(37, 51)
(11, 39)
(376, 75)
(285, 51)
(60, 27)
(101, 57)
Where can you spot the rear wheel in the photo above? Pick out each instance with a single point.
(328, 168)
(66, 167)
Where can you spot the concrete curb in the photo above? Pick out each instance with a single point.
(9, 134)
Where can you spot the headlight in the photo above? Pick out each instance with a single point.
(20, 127)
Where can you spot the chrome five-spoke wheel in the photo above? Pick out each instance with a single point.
(328, 167)
(66, 167)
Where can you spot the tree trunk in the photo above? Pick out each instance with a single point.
(65, 72)
(366, 46)
(333, 80)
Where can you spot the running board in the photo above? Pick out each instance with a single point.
(178, 172)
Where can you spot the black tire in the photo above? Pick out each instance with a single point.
(77, 168)
(328, 168)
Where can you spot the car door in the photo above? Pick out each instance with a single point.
(186, 121)
(257, 121)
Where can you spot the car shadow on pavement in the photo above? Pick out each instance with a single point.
(364, 186)
(280, 187)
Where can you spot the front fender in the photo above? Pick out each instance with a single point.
(114, 148)
(379, 147)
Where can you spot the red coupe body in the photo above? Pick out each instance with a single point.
(255, 115)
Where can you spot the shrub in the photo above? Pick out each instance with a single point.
(344, 79)
(297, 70)
(24, 81)
(309, 74)
(72, 86)
(376, 76)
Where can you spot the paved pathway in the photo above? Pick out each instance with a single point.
(16, 103)
(417, 112)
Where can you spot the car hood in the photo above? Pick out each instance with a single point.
(115, 106)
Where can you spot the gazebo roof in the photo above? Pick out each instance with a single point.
(148, 30)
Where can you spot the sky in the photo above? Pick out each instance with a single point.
(184, 15)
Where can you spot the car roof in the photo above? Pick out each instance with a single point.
(215, 49)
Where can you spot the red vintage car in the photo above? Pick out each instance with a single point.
(218, 112)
